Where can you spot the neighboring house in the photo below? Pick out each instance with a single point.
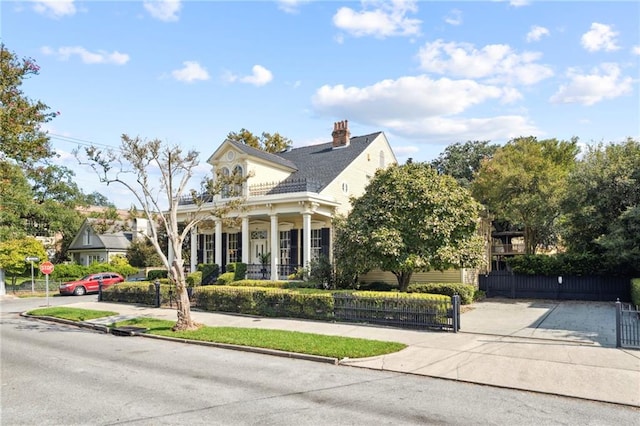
(99, 240)
(290, 198)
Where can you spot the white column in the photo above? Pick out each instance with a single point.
(246, 250)
(194, 249)
(306, 239)
(275, 247)
(218, 243)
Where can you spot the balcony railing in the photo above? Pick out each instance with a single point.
(284, 187)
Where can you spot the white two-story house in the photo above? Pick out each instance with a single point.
(290, 199)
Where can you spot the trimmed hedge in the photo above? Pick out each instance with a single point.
(226, 278)
(465, 291)
(133, 292)
(635, 291)
(194, 278)
(210, 272)
(268, 302)
(397, 295)
(157, 274)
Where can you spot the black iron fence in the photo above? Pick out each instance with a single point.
(263, 272)
(592, 288)
(627, 325)
(399, 311)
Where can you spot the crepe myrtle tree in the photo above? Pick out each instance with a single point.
(412, 219)
(143, 159)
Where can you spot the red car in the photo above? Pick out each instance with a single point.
(90, 283)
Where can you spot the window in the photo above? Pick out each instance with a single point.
(208, 249)
(285, 247)
(232, 246)
(237, 174)
(93, 258)
(345, 187)
(87, 237)
(225, 185)
(316, 243)
(382, 159)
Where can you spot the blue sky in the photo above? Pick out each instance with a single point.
(427, 73)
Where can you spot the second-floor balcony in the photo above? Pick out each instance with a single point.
(286, 186)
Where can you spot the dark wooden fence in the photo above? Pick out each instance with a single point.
(594, 288)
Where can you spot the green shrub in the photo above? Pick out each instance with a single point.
(194, 278)
(377, 286)
(157, 274)
(226, 278)
(240, 270)
(397, 295)
(260, 283)
(269, 302)
(231, 267)
(560, 264)
(65, 272)
(142, 293)
(465, 291)
(635, 291)
(210, 272)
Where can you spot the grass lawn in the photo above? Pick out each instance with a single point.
(291, 341)
(72, 314)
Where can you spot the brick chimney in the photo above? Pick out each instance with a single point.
(341, 134)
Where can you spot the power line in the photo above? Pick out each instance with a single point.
(78, 141)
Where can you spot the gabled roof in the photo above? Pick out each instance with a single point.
(257, 153)
(113, 239)
(322, 163)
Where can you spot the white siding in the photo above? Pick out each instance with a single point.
(355, 176)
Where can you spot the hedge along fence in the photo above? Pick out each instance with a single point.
(635, 291)
(465, 291)
(262, 301)
(140, 293)
(272, 284)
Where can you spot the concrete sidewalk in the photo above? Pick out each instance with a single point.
(576, 368)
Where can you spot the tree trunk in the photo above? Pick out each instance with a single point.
(185, 322)
(403, 277)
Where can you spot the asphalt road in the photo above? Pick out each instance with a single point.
(53, 374)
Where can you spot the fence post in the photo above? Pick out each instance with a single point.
(618, 323)
(157, 285)
(456, 312)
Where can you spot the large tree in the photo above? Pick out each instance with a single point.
(267, 142)
(462, 160)
(412, 219)
(604, 185)
(160, 196)
(21, 135)
(38, 197)
(524, 184)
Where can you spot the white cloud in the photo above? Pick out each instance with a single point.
(454, 17)
(599, 37)
(519, 3)
(536, 33)
(496, 62)
(379, 19)
(403, 151)
(99, 57)
(291, 6)
(191, 72)
(163, 10)
(55, 8)
(408, 98)
(602, 83)
(635, 50)
(260, 76)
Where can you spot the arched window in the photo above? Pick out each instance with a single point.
(238, 172)
(225, 178)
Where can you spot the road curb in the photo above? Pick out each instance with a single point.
(264, 351)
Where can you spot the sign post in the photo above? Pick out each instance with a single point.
(46, 268)
(32, 259)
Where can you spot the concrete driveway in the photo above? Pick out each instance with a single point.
(574, 321)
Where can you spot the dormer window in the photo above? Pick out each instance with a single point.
(87, 237)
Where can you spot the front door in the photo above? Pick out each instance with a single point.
(258, 248)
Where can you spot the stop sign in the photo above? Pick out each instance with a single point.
(46, 267)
